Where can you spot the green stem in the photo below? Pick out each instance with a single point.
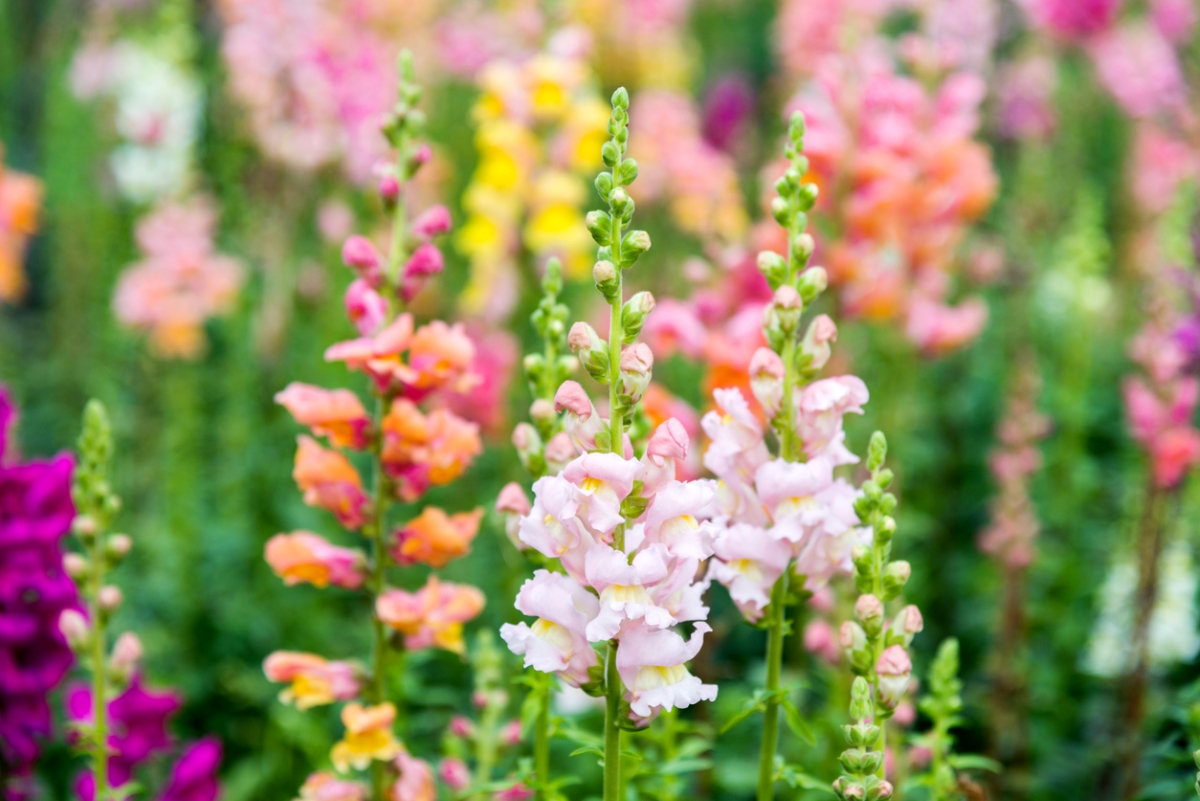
(612, 729)
(381, 492)
(541, 738)
(99, 671)
(788, 446)
(770, 740)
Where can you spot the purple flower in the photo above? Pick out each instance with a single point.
(35, 514)
(194, 776)
(727, 109)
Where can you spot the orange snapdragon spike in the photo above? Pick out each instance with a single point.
(434, 537)
(307, 557)
(420, 451)
(437, 356)
(335, 413)
(329, 481)
(368, 736)
(433, 616)
(314, 680)
(20, 200)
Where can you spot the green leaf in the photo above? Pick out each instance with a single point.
(973, 762)
(796, 722)
(795, 777)
(587, 749)
(678, 766)
(751, 706)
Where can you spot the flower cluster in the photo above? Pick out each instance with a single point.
(20, 199)
(1014, 527)
(629, 536)
(35, 514)
(698, 182)
(181, 280)
(410, 449)
(540, 124)
(904, 179)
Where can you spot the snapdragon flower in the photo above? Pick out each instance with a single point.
(314, 680)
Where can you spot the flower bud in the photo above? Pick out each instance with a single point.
(773, 267)
(75, 565)
(633, 245)
(360, 255)
(894, 670)
(365, 307)
(780, 211)
(599, 225)
(541, 411)
(462, 727)
(432, 222)
(74, 628)
(813, 282)
(126, 654)
(669, 441)
(909, 621)
(605, 276)
(883, 790)
(590, 349)
(636, 364)
(510, 735)
(560, 451)
(618, 199)
(84, 527)
(869, 611)
(821, 331)
(454, 774)
(118, 546)
(109, 598)
(513, 500)
(803, 246)
(633, 315)
(388, 185)
(425, 262)
(851, 636)
(766, 379)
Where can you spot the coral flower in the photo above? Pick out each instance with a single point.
(307, 557)
(434, 537)
(326, 786)
(335, 413)
(368, 736)
(439, 356)
(420, 450)
(330, 482)
(315, 681)
(433, 616)
(20, 197)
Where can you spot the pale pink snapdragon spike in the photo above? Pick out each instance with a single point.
(1138, 66)
(513, 504)
(735, 452)
(894, 669)
(766, 380)
(828, 553)
(552, 528)
(652, 666)
(625, 588)
(1175, 19)
(748, 561)
(668, 446)
(581, 422)
(675, 518)
(557, 641)
(365, 307)
(821, 406)
(789, 492)
(560, 451)
(602, 481)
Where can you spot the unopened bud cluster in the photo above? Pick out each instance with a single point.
(862, 762)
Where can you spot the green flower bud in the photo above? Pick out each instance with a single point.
(609, 153)
(627, 173)
(599, 225)
(773, 267)
(605, 276)
(633, 315)
(780, 211)
(604, 185)
(813, 282)
(876, 451)
(633, 245)
(620, 98)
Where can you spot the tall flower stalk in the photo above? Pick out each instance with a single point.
(628, 537)
(409, 450)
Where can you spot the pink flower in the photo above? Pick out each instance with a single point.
(625, 588)
(552, 528)
(1175, 19)
(1139, 67)
(306, 557)
(416, 779)
(361, 255)
(828, 551)
(314, 680)
(329, 481)
(674, 326)
(748, 562)
(432, 222)
(1072, 19)
(425, 262)
(365, 307)
(894, 669)
(671, 519)
(510, 735)
(602, 481)
(766, 379)
(581, 422)
(735, 453)
(667, 447)
(789, 492)
(820, 639)
(822, 405)
(326, 786)
(938, 329)
(1025, 98)
(454, 774)
(517, 792)
(1161, 162)
(335, 413)
(557, 642)
(652, 666)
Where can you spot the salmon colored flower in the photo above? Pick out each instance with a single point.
(20, 198)
(439, 356)
(307, 557)
(433, 616)
(330, 482)
(420, 450)
(434, 537)
(334, 413)
(315, 681)
(368, 737)
(325, 786)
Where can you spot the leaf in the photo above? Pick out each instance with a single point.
(973, 762)
(678, 766)
(587, 749)
(796, 722)
(751, 706)
(798, 778)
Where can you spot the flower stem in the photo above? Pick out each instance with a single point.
(99, 671)
(612, 729)
(770, 740)
(541, 739)
(379, 505)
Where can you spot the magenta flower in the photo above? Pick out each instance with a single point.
(194, 775)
